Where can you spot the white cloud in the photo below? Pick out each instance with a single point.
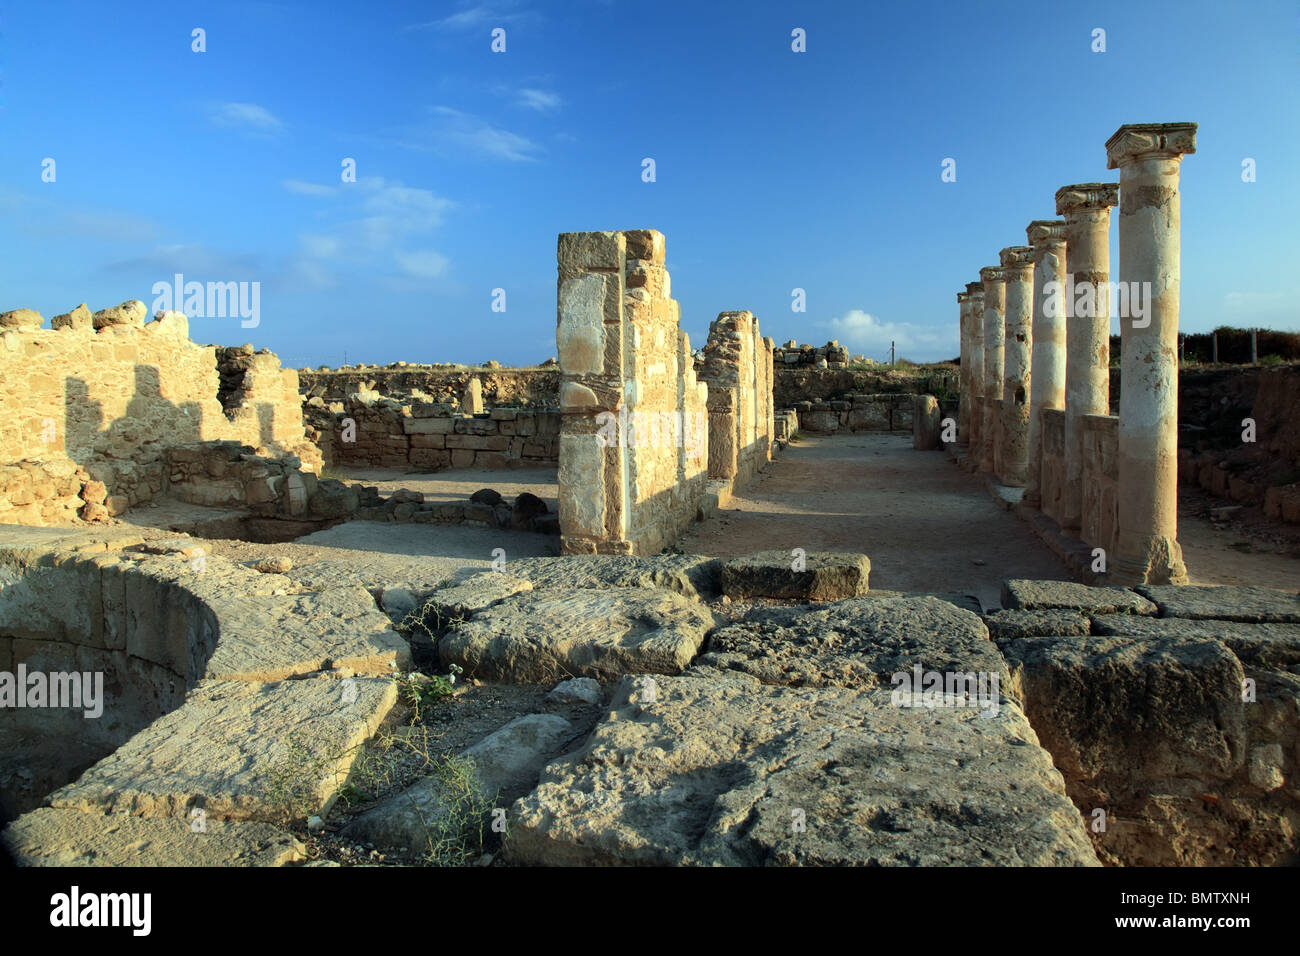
(477, 136)
(862, 332)
(303, 188)
(422, 264)
(472, 18)
(248, 116)
(541, 100)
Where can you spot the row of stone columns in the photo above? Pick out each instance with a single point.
(1035, 335)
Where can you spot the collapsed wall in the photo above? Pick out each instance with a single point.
(514, 387)
(737, 367)
(634, 430)
(89, 407)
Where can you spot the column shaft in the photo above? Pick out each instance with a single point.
(1047, 387)
(1013, 455)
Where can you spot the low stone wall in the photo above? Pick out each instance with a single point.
(89, 407)
(1100, 481)
(432, 436)
(832, 354)
(1053, 462)
(793, 384)
(857, 413)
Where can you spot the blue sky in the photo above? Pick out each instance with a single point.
(774, 169)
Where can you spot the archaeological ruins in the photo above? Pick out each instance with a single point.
(285, 595)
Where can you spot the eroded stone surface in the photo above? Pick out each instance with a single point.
(821, 575)
(719, 768)
(1273, 645)
(540, 636)
(239, 750)
(469, 596)
(856, 643)
(1012, 624)
(1022, 595)
(50, 837)
(1248, 604)
(692, 575)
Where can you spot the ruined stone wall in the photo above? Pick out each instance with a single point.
(737, 367)
(89, 407)
(1100, 481)
(386, 434)
(791, 385)
(830, 355)
(514, 387)
(634, 433)
(857, 413)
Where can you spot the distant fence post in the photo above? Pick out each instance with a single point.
(1254, 347)
(1214, 346)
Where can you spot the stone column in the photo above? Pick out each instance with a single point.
(1013, 455)
(1047, 387)
(1086, 208)
(975, 316)
(994, 334)
(963, 377)
(1148, 156)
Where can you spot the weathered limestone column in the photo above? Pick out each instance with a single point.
(975, 290)
(1013, 455)
(1149, 156)
(963, 376)
(1086, 208)
(1047, 387)
(472, 402)
(994, 334)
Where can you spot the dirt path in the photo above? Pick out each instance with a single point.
(928, 526)
(925, 524)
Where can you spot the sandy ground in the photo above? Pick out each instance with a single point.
(455, 484)
(926, 525)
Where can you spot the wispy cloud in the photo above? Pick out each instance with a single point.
(541, 100)
(303, 188)
(42, 216)
(452, 128)
(247, 116)
(863, 332)
(474, 17)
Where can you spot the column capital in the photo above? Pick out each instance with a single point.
(1134, 141)
(1071, 199)
(1014, 257)
(992, 274)
(1045, 232)
(975, 289)
(963, 297)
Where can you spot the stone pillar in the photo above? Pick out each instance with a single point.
(1086, 208)
(1047, 387)
(472, 402)
(1013, 453)
(1148, 156)
(994, 333)
(963, 376)
(975, 290)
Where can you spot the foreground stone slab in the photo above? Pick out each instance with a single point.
(1268, 645)
(691, 575)
(861, 642)
(1023, 595)
(724, 770)
(49, 837)
(1249, 604)
(1099, 704)
(279, 636)
(1007, 625)
(542, 636)
(471, 594)
(824, 576)
(239, 750)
